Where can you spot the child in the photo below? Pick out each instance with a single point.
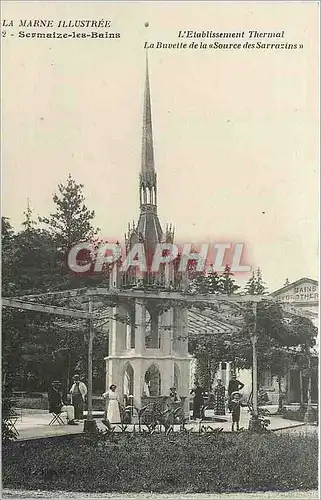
(235, 409)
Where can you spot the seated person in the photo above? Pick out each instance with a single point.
(56, 404)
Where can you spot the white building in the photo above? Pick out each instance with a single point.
(301, 295)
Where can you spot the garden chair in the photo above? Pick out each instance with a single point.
(56, 418)
(12, 421)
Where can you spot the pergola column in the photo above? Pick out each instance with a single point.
(228, 373)
(140, 327)
(138, 383)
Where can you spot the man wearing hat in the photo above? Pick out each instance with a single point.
(78, 393)
(235, 409)
(56, 404)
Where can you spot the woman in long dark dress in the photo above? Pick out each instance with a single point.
(219, 398)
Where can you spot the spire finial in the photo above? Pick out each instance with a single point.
(147, 146)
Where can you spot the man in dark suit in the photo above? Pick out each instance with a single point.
(198, 400)
(56, 404)
(233, 386)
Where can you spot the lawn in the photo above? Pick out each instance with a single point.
(181, 463)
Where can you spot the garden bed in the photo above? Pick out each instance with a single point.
(181, 463)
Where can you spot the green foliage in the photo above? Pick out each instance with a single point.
(228, 284)
(280, 343)
(71, 223)
(187, 463)
(7, 430)
(212, 283)
(208, 350)
(302, 332)
(39, 347)
(8, 255)
(256, 285)
(272, 334)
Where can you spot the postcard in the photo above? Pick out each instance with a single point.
(160, 168)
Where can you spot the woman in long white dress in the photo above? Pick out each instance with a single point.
(113, 413)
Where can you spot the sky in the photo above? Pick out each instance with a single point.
(236, 132)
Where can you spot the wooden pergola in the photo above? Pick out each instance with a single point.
(82, 300)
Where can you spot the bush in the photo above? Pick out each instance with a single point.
(42, 403)
(7, 430)
(187, 463)
(99, 403)
(32, 403)
(298, 414)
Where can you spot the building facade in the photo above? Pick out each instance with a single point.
(300, 296)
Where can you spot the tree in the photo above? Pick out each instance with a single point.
(71, 223)
(208, 350)
(44, 346)
(303, 334)
(205, 284)
(256, 285)
(281, 361)
(213, 282)
(250, 287)
(35, 258)
(261, 287)
(272, 333)
(227, 283)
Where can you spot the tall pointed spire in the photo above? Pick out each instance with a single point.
(148, 177)
(147, 145)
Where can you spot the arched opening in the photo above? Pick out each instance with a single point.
(153, 381)
(128, 380)
(130, 330)
(177, 377)
(152, 340)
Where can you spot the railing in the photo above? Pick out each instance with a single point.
(150, 281)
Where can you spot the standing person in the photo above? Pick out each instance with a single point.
(219, 398)
(78, 393)
(234, 386)
(197, 401)
(235, 409)
(112, 412)
(56, 404)
(174, 397)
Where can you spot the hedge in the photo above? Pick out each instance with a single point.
(298, 414)
(42, 403)
(154, 463)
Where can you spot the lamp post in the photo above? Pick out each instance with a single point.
(254, 423)
(90, 425)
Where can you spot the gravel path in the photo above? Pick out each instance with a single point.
(269, 495)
